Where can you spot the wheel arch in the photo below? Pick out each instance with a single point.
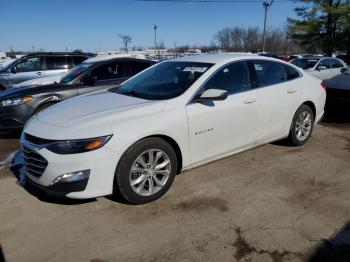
(174, 145)
(52, 99)
(311, 105)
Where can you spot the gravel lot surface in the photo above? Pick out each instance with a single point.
(273, 203)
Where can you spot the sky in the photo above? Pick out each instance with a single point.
(94, 25)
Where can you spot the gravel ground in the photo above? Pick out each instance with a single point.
(273, 203)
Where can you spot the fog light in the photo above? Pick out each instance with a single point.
(72, 177)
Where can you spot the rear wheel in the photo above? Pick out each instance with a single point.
(302, 126)
(145, 171)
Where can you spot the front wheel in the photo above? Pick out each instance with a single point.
(145, 171)
(302, 126)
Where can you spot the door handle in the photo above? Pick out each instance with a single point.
(39, 73)
(291, 91)
(249, 101)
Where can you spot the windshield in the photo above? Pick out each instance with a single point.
(8, 64)
(305, 63)
(75, 72)
(164, 81)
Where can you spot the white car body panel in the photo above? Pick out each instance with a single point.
(203, 133)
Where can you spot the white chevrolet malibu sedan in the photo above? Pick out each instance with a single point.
(133, 139)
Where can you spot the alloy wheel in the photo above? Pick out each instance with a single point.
(150, 172)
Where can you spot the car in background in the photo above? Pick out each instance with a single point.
(37, 65)
(320, 67)
(345, 58)
(173, 116)
(17, 105)
(338, 93)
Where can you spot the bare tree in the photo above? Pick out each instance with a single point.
(126, 39)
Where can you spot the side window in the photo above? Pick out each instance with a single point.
(269, 73)
(109, 71)
(327, 63)
(78, 59)
(57, 62)
(233, 78)
(137, 67)
(30, 64)
(291, 73)
(336, 64)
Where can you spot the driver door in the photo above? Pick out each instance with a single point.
(26, 69)
(221, 127)
(106, 76)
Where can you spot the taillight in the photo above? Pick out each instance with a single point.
(324, 86)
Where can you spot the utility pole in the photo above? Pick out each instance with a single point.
(155, 38)
(267, 6)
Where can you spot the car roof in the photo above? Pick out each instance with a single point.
(111, 57)
(217, 58)
(60, 54)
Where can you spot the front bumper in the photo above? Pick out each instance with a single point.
(13, 118)
(101, 163)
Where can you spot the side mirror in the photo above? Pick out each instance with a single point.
(89, 80)
(13, 70)
(320, 68)
(212, 95)
(343, 70)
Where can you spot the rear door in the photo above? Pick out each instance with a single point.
(106, 76)
(220, 127)
(278, 96)
(26, 69)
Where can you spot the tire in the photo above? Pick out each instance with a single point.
(138, 157)
(301, 131)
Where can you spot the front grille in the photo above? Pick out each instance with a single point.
(34, 163)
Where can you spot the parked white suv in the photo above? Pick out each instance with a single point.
(172, 117)
(321, 67)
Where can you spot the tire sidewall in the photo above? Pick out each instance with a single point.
(295, 141)
(121, 179)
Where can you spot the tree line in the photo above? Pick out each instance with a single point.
(240, 39)
(321, 26)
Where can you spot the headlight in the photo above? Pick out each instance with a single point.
(16, 101)
(77, 146)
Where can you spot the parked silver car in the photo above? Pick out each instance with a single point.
(38, 65)
(321, 67)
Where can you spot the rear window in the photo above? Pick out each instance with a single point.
(78, 59)
(269, 73)
(137, 67)
(58, 62)
(291, 73)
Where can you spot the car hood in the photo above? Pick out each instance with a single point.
(40, 81)
(102, 109)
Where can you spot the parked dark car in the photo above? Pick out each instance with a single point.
(17, 105)
(345, 58)
(338, 93)
(37, 65)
